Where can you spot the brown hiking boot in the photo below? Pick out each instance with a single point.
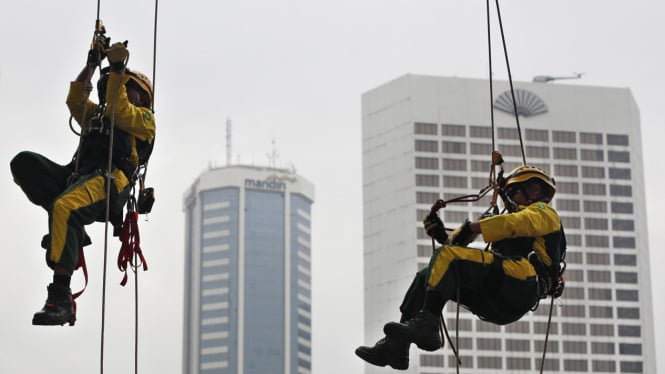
(59, 308)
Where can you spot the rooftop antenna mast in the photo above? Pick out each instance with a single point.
(273, 155)
(228, 141)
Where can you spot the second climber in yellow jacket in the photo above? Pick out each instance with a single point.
(75, 194)
(499, 285)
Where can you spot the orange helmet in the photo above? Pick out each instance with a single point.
(525, 173)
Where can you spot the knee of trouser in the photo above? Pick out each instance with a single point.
(18, 164)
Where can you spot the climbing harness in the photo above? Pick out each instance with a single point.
(130, 255)
(554, 284)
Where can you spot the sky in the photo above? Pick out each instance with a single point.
(289, 75)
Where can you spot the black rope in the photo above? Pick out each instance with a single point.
(510, 79)
(491, 73)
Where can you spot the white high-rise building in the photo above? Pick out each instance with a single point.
(426, 138)
(248, 272)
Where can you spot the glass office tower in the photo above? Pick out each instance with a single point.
(426, 138)
(248, 272)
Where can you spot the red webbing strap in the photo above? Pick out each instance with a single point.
(80, 263)
(131, 245)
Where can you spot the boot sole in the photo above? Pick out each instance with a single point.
(369, 358)
(49, 322)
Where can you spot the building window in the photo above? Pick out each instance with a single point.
(574, 258)
(593, 172)
(598, 276)
(516, 363)
(631, 367)
(623, 225)
(575, 275)
(426, 197)
(431, 360)
(480, 165)
(481, 148)
(489, 362)
(591, 138)
(625, 260)
(427, 145)
(616, 190)
(568, 205)
(565, 153)
(455, 182)
(618, 156)
(599, 293)
(430, 163)
(627, 295)
(600, 311)
(480, 131)
(488, 344)
(508, 133)
(541, 327)
(595, 206)
(451, 216)
(538, 135)
(518, 327)
(570, 328)
(518, 345)
(486, 326)
(618, 207)
(630, 349)
(453, 130)
(552, 346)
(598, 258)
(575, 365)
(628, 313)
(576, 293)
(573, 311)
(574, 347)
(599, 348)
(564, 136)
(626, 277)
(537, 152)
(453, 147)
(595, 224)
(601, 330)
(619, 173)
(593, 189)
(592, 155)
(511, 150)
(632, 331)
(623, 242)
(597, 241)
(568, 187)
(478, 183)
(453, 164)
(565, 170)
(574, 239)
(601, 366)
(617, 139)
(424, 180)
(425, 128)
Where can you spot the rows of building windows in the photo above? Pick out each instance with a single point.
(454, 130)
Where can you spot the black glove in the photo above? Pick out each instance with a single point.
(463, 235)
(434, 227)
(96, 53)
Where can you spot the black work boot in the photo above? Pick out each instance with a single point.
(387, 351)
(422, 329)
(59, 307)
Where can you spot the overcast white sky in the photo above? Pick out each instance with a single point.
(292, 71)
